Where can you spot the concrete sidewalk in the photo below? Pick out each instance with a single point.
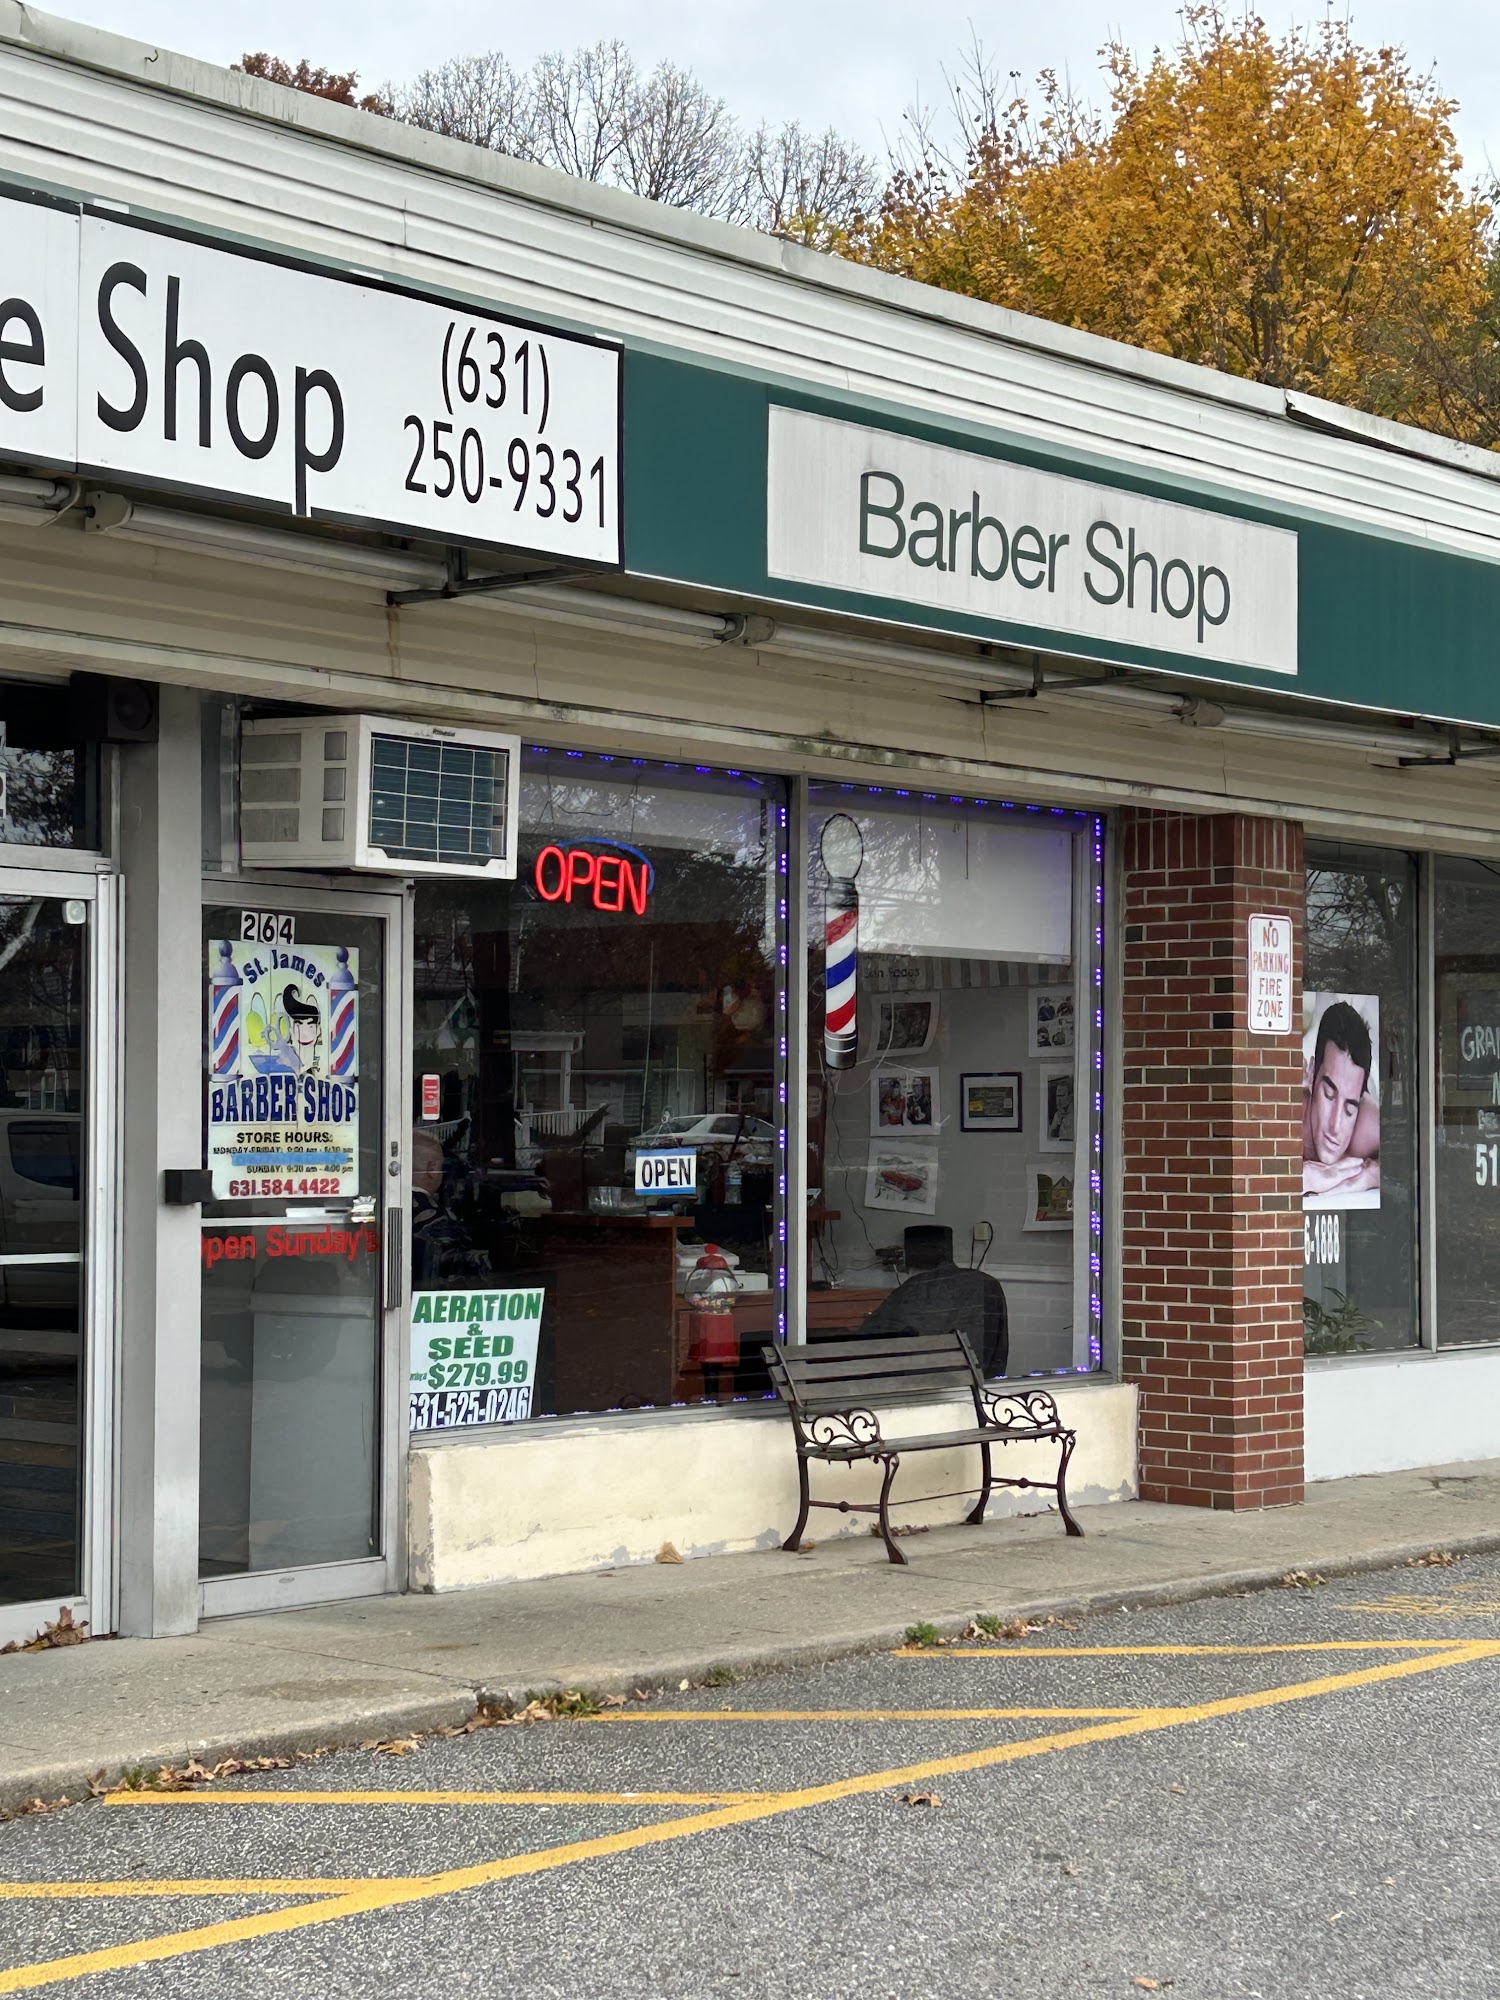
(391, 1666)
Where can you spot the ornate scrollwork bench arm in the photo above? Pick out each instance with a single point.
(844, 1437)
(1020, 1415)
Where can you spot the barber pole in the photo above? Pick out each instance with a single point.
(343, 1015)
(224, 1014)
(843, 850)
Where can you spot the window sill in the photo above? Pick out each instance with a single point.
(583, 1423)
(1323, 1363)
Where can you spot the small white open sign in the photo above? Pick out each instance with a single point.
(674, 1172)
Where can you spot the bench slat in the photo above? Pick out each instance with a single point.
(801, 1370)
(870, 1344)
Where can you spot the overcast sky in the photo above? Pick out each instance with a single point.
(853, 63)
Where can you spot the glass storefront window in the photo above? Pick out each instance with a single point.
(1359, 1125)
(954, 1079)
(1467, 1149)
(50, 783)
(599, 1089)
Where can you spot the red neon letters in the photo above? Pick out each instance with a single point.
(614, 882)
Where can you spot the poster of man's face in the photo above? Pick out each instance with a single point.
(1340, 1100)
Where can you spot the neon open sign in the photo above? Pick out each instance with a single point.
(615, 877)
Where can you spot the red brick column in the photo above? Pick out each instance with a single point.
(1211, 1202)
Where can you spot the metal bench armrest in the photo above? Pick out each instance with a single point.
(828, 1430)
(1022, 1412)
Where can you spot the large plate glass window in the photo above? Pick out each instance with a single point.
(1466, 1000)
(954, 1082)
(599, 1100)
(1359, 1109)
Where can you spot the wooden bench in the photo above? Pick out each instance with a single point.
(830, 1389)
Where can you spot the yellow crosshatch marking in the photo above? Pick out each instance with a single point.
(331, 1901)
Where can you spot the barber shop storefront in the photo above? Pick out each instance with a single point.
(555, 839)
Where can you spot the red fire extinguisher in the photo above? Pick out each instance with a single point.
(710, 1291)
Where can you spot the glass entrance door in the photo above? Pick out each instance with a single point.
(45, 973)
(295, 1291)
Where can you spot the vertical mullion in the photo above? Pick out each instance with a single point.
(1427, 1082)
(794, 1030)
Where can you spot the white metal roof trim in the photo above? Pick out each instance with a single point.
(168, 153)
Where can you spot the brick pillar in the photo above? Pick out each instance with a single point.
(1211, 1201)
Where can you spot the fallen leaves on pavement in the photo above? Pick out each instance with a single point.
(63, 1630)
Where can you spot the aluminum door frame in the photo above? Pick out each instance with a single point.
(390, 902)
(90, 880)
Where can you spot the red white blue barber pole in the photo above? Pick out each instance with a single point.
(224, 988)
(843, 850)
(343, 1017)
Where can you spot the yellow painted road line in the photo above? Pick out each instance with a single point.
(861, 1714)
(260, 1885)
(238, 1798)
(386, 1895)
(1180, 1652)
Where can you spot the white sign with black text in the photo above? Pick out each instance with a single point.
(1268, 977)
(130, 350)
(863, 510)
(671, 1171)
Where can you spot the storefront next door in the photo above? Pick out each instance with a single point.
(56, 1141)
(301, 1248)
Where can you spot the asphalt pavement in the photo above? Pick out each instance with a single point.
(1289, 1793)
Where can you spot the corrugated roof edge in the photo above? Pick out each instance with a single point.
(147, 65)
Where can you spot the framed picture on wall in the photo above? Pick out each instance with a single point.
(904, 1100)
(1059, 1123)
(1049, 1197)
(903, 1178)
(1050, 1016)
(990, 1101)
(904, 1026)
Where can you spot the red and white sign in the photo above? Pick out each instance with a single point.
(432, 1097)
(1268, 977)
(607, 874)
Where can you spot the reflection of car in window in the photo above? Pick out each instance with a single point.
(40, 1205)
(45, 1150)
(730, 1134)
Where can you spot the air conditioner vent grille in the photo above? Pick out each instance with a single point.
(437, 802)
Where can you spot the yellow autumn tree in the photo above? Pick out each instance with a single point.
(1288, 209)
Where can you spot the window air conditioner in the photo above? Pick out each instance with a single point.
(358, 791)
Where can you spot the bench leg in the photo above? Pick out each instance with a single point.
(794, 1539)
(983, 1501)
(885, 1514)
(1070, 1438)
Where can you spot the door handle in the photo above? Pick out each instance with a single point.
(395, 1219)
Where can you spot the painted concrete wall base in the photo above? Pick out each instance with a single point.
(550, 1499)
(1393, 1412)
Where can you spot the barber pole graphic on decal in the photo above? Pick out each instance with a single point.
(224, 1014)
(843, 850)
(343, 1013)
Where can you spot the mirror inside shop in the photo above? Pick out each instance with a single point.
(600, 1090)
(597, 1080)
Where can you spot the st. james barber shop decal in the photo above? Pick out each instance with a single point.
(283, 1069)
